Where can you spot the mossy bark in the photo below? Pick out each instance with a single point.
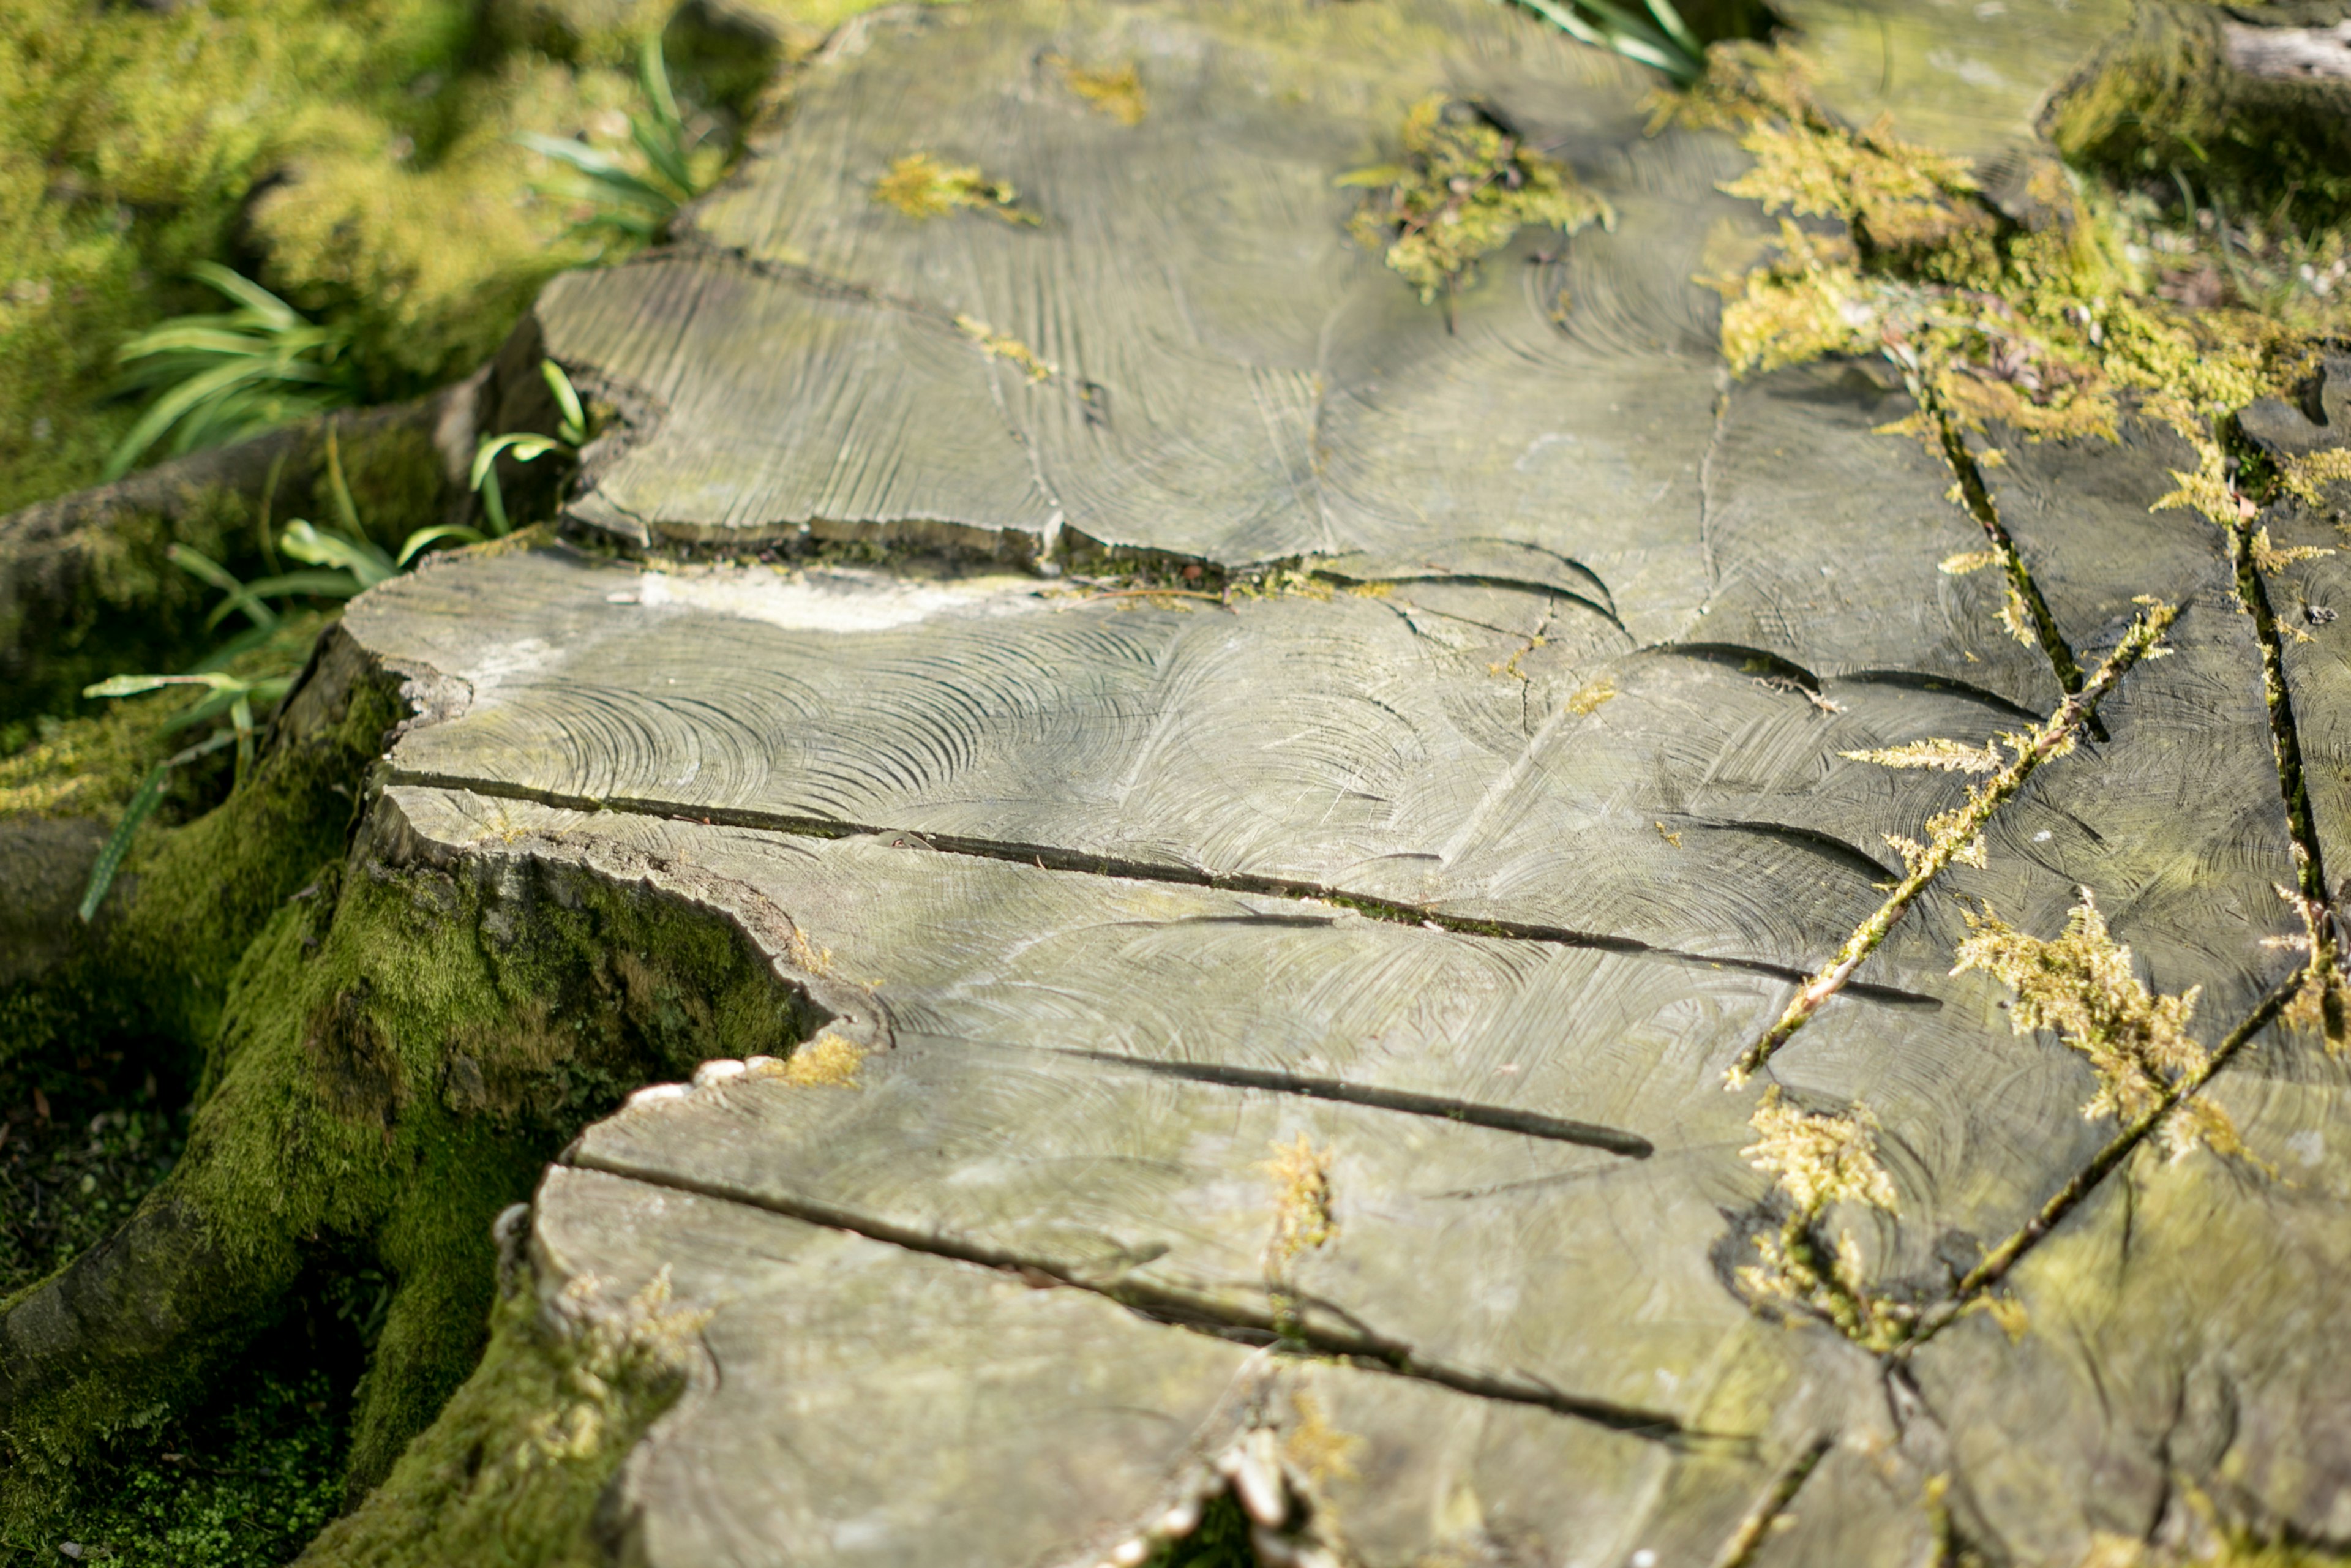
(2252, 105)
(516, 1467)
(388, 1054)
(87, 586)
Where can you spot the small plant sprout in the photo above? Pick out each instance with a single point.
(227, 376)
(1651, 35)
(233, 696)
(571, 434)
(345, 562)
(637, 203)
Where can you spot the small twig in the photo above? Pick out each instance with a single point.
(2050, 739)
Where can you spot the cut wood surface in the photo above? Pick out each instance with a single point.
(1279, 1038)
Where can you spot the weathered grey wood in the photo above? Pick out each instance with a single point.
(1968, 78)
(1082, 1421)
(1058, 1172)
(1472, 856)
(1404, 770)
(1259, 387)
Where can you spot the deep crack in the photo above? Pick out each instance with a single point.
(2285, 745)
(1047, 857)
(1979, 504)
(1996, 1263)
(1952, 833)
(1281, 1325)
(1756, 1528)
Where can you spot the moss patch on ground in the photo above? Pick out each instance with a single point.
(356, 156)
(239, 1484)
(245, 1479)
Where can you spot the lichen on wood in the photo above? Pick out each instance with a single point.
(1465, 186)
(921, 186)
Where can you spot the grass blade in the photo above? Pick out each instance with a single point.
(653, 73)
(273, 311)
(363, 560)
(346, 512)
(143, 801)
(1622, 32)
(1670, 19)
(313, 584)
(659, 145)
(203, 569)
(166, 411)
(415, 542)
(494, 500)
(270, 500)
(240, 718)
(575, 418)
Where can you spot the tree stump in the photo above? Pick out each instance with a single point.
(1265, 1033)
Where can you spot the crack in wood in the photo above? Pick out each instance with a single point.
(1277, 1327)
(1952, 833)
(2285, 745)
(1996, 1263)
(1046, 857)
(1502, 1118)
(1977, 497)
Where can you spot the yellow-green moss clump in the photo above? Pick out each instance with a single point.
(2040, 324)
(2082, 988)
(1465, 187)
(920, 186)
(1818, 1160)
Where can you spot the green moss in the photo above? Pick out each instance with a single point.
(2162, 95)
(356, 155)
(397, 1055)
(69, 1178)
(513, 1471)
(1221, 1540)
(154, 969)
(2041, 323)
(245, 1483)
(126, 606)
(85, 767)
(400, 1058)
